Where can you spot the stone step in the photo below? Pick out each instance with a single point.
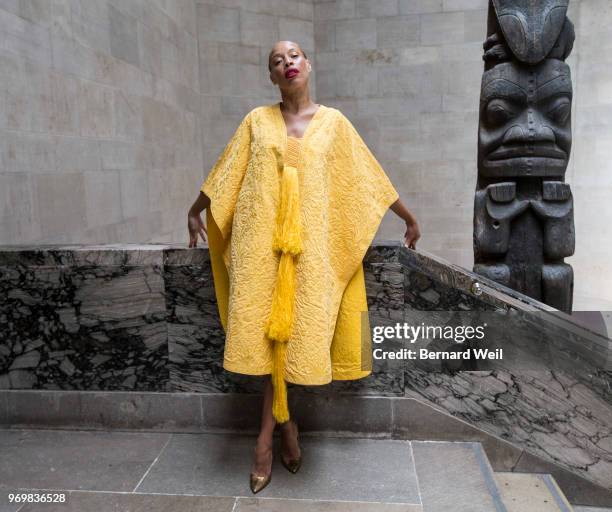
(591, 509)
(455, 476)
(325, 414)
(531, 492)
(335, 469)
(79, 501)
(209, 471)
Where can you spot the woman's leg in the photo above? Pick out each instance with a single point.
(290, 448)
(263, 449)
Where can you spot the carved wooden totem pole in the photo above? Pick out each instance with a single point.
(523, 209)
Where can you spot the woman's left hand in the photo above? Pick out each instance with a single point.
(412, 233)
(412, 228)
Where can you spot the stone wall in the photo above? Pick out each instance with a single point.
(407, 73)
(99, 120)
(590, 168)
(113, 112)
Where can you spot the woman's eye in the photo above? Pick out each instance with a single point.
(499, 112)
(278, 61)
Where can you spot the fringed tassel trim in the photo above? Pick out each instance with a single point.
(287, 235)
(287, 241)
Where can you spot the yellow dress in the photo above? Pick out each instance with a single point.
(343, 195)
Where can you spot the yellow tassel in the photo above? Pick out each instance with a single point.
(279, 323)
(287, 236)
(287, 240)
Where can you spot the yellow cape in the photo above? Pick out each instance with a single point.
(343, 195)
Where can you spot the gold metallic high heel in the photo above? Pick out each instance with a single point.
(293, 465)
(258, 482)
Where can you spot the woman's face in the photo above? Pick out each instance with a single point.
(288, 66)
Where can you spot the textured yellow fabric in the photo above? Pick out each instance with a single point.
(343, 195)
(288, 242)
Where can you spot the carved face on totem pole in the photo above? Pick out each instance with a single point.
(523, 209)
(525, 120)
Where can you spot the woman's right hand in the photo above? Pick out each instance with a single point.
(196, 227)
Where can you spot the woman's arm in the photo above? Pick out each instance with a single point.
(194, 221)
(201, 203)
(412, 228)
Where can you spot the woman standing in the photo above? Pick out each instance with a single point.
(292, 204)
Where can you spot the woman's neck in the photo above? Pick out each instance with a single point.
(297, 103)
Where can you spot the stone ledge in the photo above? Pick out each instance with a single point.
(327, 415)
